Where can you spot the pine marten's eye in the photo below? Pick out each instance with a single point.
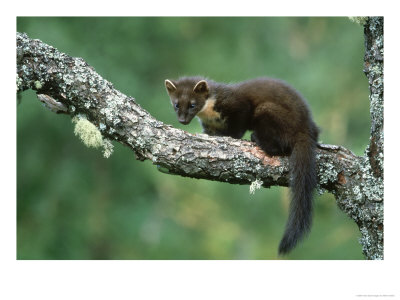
(176, 105)
(192, 105)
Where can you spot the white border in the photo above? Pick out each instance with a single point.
(196, 279)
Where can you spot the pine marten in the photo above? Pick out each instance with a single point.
(281, 123)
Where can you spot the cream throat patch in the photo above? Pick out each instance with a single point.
(210, 117)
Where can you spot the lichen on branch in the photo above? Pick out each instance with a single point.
(91, 136)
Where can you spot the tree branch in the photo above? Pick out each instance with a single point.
(69, 85)
(373, 69)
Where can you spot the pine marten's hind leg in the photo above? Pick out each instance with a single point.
(269, 131)
(270, 146)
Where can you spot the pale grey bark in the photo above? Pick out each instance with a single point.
(69, 85)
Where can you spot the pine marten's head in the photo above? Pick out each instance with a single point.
(188, 96)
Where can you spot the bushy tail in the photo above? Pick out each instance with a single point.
(302, 184)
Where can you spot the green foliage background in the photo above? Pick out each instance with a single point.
(74, 204)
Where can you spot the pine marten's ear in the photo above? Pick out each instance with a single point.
(201, 87)
(170, 86)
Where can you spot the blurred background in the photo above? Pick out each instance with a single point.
(74, 204)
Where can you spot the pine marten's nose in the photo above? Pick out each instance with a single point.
(183, 121)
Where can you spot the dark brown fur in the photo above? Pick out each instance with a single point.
(281, 123)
